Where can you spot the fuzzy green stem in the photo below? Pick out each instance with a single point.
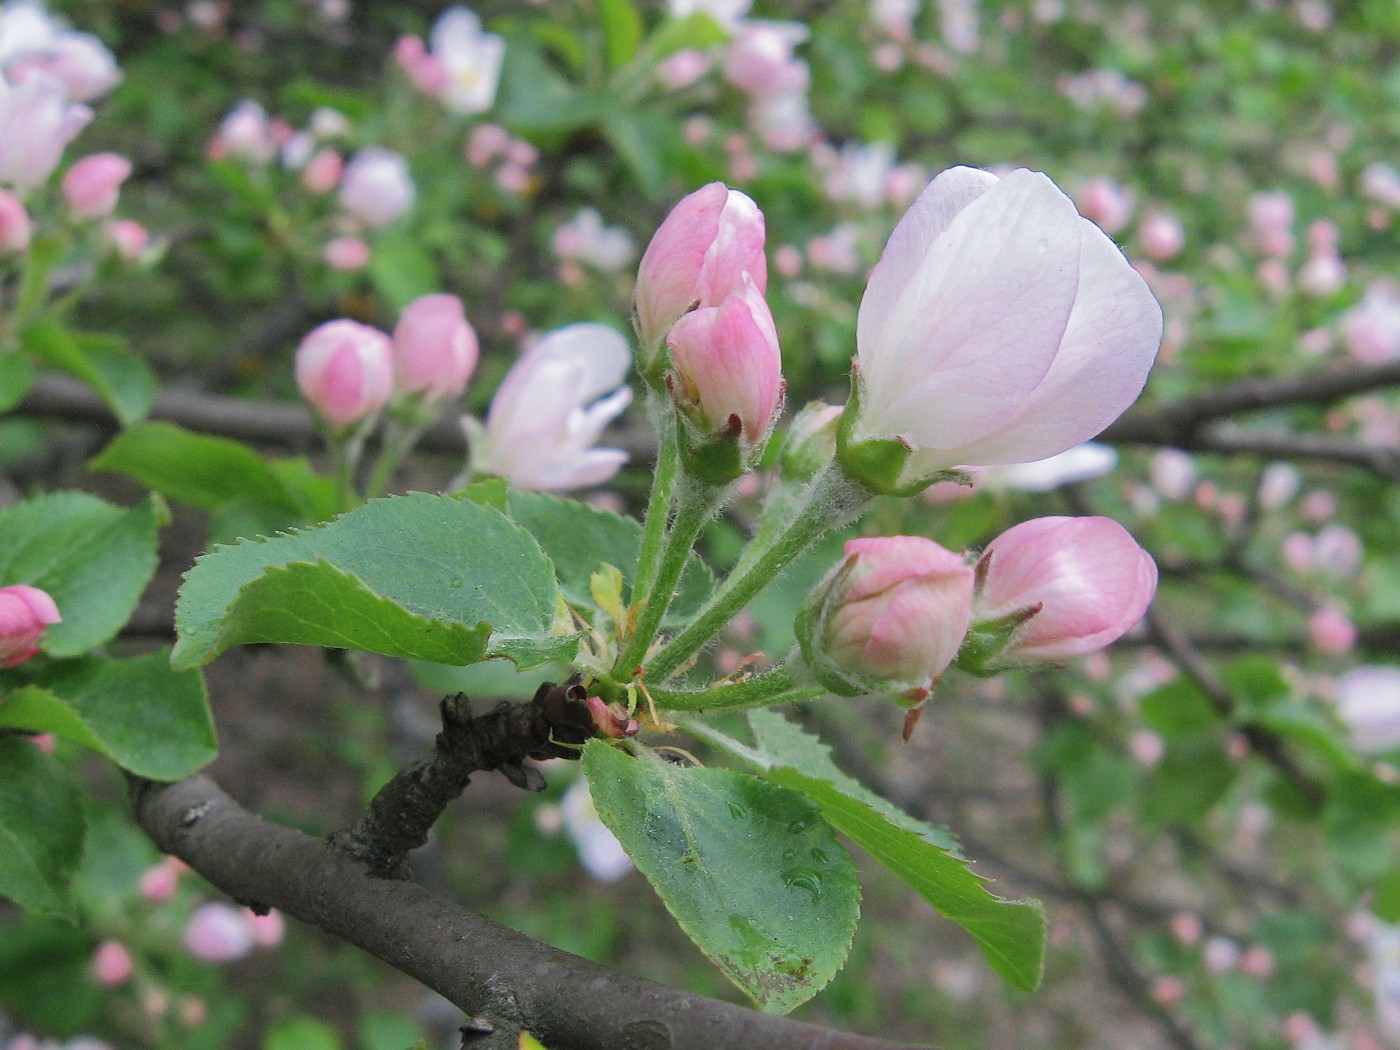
(696, 502)
(778, 686)
(399, 437)
(663, 487)
(832, 500)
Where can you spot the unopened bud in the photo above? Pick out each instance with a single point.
(345, 371)
(25, 613)
(888, 619)
(435, 349)
(92, 185)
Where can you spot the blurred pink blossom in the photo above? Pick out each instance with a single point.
(25, 614)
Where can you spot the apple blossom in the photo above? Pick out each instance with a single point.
(91, 186)
(15, 227)
(32, 39)
(245, 134)
(129, 238)
(727, 371)
(111, 964)
(37, 121)
(435, 349)
(470, 58)
(998, 327)
(323, 170)
(551, 408)
(346, 253)
(219, 933)
(760, 59)
(1054, 588)
(599, 852)
(1368, 703)
(25, 613)
(376, 187)
(345, 370)
(889, 618)
(697, 257)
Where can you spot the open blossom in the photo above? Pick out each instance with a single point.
(345, 370)
(471, 59)
(599, 852)
(586, 240)
(25, 613)
(1368, 702)
(245, 133)
(219, 933)
(761, 59)
(376, 186)
(889, 618)
(435, 349)
(31, 39)
(37, 121)
(727, 369)
(698, 256)
(1058, 587)
(1371, 328)
(998, 327)
(550, 410)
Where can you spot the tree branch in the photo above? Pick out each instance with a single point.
(508, 982)
(1177, 423)
(405, 809)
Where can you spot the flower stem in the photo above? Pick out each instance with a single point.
(696, 502)
(778, 686)
(663, 487)
(398, 439)
(832, 500)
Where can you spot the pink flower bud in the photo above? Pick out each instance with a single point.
(346, 253)
(435, 349)
(760, 59)
(699, 255)
(24, 614)
(345, 371)
(245, 134)
(1079, 583)
(727, 365)
(111, 964)
(158, 882)
(1330, 632)
(1186, 927)
(267, 930)
(322, 172)
(15, 227)
(1103, 202)
(996, 302)
(1161, 236)
(219, 933)
(376, 186)
(129, 238)
(889, 618)
(92, 184)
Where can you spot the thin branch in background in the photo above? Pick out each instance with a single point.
(1178, 422)
(504, 980)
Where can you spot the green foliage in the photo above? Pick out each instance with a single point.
(41, 829)
(751, 872)
(147, 718)
(424, 577)
(579, 539)
(103, 362)
(92, 558)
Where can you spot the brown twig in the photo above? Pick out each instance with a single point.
(505, 981)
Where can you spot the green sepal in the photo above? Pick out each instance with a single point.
(987, 639)
(880, 464)
(810, 628)
(715, 460)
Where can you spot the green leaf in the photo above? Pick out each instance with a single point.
(783, 743)
(533, 97)
(205, 472)
(424, 577)
(676, 34)
(302, 1033)
(640, 140)
(41, 829)
(92, 558)
(144, 716)
(402, 270)
(16, 377)
(103, 362)
(580, 539)
(622, 30)
(1011, 934)
(751, 872)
